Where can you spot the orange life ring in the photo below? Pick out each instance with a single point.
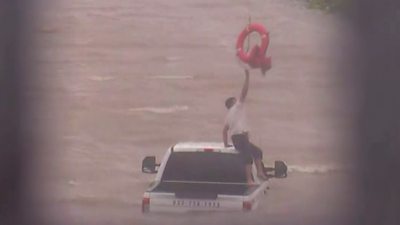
(256, 56)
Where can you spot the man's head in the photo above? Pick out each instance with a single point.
(229, 102)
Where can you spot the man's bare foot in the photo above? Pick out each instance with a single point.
(262, 176)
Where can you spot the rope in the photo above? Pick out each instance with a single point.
(248, 39)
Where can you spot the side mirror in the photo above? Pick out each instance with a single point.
(149, 164)
(280, 169)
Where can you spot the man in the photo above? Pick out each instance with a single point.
(236, 126)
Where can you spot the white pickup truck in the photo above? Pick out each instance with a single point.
(201, 177)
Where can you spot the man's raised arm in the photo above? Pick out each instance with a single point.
(245, 87)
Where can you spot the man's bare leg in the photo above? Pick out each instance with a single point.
(249, 174)
(260, 169)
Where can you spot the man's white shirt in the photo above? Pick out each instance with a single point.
(236, 119)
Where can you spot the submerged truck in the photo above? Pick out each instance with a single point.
(198, 176)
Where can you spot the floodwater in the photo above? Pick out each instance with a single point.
(119, 80)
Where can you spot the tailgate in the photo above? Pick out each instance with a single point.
(169, 202)
(199, 196)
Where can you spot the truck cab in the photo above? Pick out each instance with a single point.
(196, 176)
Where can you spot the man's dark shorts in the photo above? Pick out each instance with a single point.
(246, 148)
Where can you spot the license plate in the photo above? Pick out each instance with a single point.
(195, 203)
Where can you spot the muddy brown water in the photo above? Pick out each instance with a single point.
(119, 80)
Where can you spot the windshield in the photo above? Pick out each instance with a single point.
(204, 167)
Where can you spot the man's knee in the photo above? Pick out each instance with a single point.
(256, 152)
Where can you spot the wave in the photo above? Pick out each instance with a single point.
(172, 77)
(173, 58)
(48, 30)
(161, 110)
(100, 78)
(318, 169)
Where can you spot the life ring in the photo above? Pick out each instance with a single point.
(255, 58)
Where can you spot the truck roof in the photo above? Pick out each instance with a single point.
(203, 147)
